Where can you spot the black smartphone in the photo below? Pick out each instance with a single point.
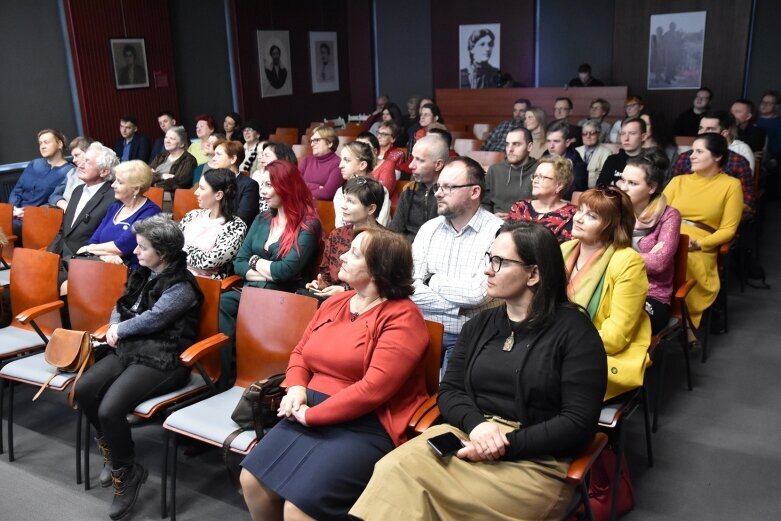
(445, 444)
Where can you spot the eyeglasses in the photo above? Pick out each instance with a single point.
(613, 194)
(386, 134)
(541, 178)
(316, 140)
(590, 133)
(496, 262)
(448, 189)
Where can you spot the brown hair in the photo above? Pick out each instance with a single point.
(329, 134)
(389, 259)
(615, 208)
(232, 149)
(59, 136)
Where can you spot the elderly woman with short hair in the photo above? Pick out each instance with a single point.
(593, 152)
(321, 169)
(155, 319)
(173, 168)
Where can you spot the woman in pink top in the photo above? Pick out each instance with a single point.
(321, 169)
(657, 230)
(213, 234)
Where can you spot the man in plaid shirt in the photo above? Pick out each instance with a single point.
(495, 142)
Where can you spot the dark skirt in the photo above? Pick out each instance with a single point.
(321, 470)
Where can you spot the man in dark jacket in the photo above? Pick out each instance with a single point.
(558, 140)
(131, 145)
(633, 131)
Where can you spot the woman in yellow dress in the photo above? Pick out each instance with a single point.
(711, 205)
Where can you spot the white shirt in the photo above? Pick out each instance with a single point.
(86, 195)
(383, 218)
(740, 147)
(450, 286)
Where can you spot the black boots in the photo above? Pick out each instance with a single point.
(127, 483)
(105, 474)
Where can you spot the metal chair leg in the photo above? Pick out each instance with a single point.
(87, 432)
(175, 457)
(164, 477)
(78, 447)
(705, 324)
(10, 421)
(686, 357)
(586, 501)
(3, 383)
(659, 384)
(647, 421)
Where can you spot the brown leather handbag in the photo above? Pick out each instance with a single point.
(69, 352)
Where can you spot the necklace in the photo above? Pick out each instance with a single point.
(509, 342)
(354, 314)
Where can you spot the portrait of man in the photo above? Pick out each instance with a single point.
(274, 57)
(129, 56)
(276, 74)
(324, 61)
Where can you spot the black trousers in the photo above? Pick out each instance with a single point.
(659, 313)
(108, 391)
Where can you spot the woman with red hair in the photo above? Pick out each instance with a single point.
(281, 247)
(204, 127)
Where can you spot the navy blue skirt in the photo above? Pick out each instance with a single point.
(321, 470)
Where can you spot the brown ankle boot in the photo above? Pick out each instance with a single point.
(127, 483)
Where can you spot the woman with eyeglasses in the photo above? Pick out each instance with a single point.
(321, 169)
(552, 178)
(358, 160)
(711, 206)
(523, 392)
(657, 230)
(608, 278)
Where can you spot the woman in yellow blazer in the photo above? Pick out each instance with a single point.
(608, 278)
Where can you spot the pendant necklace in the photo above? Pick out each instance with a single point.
(354, 314)
(509, 342)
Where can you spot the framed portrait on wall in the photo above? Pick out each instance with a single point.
(130, 67)
(675, 48)
(274, 63)
(324, 61)
(478, 56)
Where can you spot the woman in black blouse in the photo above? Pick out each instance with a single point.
(523, 391)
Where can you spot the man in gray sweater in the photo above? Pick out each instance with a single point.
(511, 180)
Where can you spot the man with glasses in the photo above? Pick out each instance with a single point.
(633, 131)
(495, 142)
(510, 180)
(448, 252)
(688, 122)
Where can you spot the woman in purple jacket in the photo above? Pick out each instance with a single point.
(657, 230)
(321, 169)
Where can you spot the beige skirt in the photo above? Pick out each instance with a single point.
(412, 484)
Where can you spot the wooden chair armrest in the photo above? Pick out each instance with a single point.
(101, 331)
(684, 290)
(581, 466)
(200, 349)
(724, 248)
(230, 282)
(425, 407)
(34, 312)
(12, 238)
(429, 419)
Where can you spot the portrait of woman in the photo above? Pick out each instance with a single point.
(479, 73)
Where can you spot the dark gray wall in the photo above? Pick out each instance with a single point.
(201, 59)
(404, 49)
(765, 57)
(34, 88)
(572, 33)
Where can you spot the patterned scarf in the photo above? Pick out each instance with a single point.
(585, 285)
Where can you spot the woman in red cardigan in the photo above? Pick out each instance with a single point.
(355, 379)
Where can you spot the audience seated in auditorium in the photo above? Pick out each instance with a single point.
(281, 247)
(657, 230)
(358, 160)
(584, 78)
(743, 111)
(272, 152)
(558, 142)
(535, 122)
(165, 120)
(524, 413)
(354, 381)
(232, 127)
(448, 251)
(132, 144)
(735, 164)
(561, 110)
(593, 152)
(114, 240)
(417, 203)
(40, 177)
(633, 132)
(173, 168)
(598, 110)
(252, 147)
(711, 204)
(155, 319)
(608, 278)
(687, 123)
(384, 171)
(496, 140)
(633, 107)
(321, 169)
(552, 179)
(204, 127)
(230, 154)
(62, 194)
(213, 234)
(510, 180)
(87, 206)
(364, 198)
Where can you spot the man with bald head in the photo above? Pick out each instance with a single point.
(417, 203)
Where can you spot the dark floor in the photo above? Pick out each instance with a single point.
(717, 448)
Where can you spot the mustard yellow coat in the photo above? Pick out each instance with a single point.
(621, 319)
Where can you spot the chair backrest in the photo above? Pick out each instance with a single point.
(288, 139)
(34, 282)
(462, 146)
(40, 226)
(208, 324)
(93, 290)
(462, 134)
(685, 141)
(184, 201)
(288, 131)
(480, 130)
(6, 225)
(351, 130)
(327, 214)
(302, 150)
(432, 358)
(486, 158)
(679, 271)
(155, 194)
(265, 340)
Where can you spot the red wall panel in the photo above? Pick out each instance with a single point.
(91, 23)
